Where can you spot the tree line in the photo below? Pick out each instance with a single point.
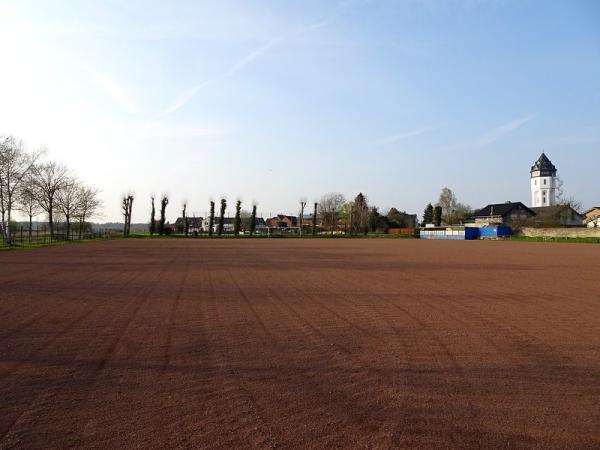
(32, 186)
(331, 213)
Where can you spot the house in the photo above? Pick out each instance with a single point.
(260, 226)
(591, 217)
(511, 213)
(282, 221)
(228, 224)
(195, 224)
(557, 216)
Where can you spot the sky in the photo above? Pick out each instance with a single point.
(273, 101)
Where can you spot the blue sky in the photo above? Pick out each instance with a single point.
(271, 101)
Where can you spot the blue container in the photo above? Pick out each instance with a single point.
(471, 233)
(494, 232)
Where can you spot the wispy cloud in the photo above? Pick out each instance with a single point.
(115, 90)
(489, 136)
(500, 131)
(186, 96)
(401, 136)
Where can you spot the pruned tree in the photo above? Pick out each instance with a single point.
(211, 220)
(50, 177)
(302, 206)
(428, 214)
(89, 205)
(237, 223)
(67, 201)
(127, 206)
(152, 218)
(15, 164)
(185, 221)
(163, 214)
(314, 219)
(330, 205)
(222, 217)
(437, 216)
(253, 220)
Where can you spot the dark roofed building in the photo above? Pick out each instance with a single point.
(194, 224)
(510, 213)
(282, 221)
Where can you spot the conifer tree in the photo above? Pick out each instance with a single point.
(437, 216)
(428, 214)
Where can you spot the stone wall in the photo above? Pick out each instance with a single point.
(561, 232)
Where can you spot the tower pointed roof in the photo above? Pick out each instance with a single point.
(544, 166)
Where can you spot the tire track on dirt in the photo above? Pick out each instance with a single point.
(65, 299)
(523, 341)
(65, 329)
(342, 404)
(449, 356)
(171, 320)
(240, 404)
(76, 362)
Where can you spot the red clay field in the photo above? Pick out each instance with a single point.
(281, 343)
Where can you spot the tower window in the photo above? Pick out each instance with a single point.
(545, 181)
(535, 182)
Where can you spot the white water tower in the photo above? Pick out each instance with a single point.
(543, 182)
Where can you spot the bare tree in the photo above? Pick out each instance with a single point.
(448, 203)
(67, 201)
(15, 164)
(302, 206)
(28, 200)
(50, 177)
(88, 206)
(330, 205)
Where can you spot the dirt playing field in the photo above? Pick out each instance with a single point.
(280, 343)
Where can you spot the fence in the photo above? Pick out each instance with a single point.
(24, 237)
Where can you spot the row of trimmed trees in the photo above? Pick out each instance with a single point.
(158, 227)
(356, 216)
(31, 187)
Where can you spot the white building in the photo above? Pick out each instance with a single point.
(544, 183)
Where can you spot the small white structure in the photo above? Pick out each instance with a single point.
(543, 183)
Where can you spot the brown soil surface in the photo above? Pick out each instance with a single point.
(300, 344)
